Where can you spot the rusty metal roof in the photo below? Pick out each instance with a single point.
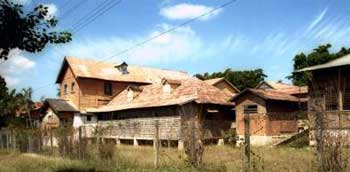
(284, 87)
(88, 68)
(190, 90)
(270, 95)
(60, 105)
(342, 61)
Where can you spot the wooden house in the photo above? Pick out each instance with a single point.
(329, 98)
(131, 99)
(57, 113)
(272, 115)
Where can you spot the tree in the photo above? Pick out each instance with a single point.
(240, 79)
(12, 102)
(319, 55)
(30, 32)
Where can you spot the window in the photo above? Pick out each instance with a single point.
(72, 87)
(108, 88)
(346, 95)
(88, 118)
(248, 109)
(331, 97)
(130, 95)
(65, 89)
(166, 88)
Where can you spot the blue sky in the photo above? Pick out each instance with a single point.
(247, 34)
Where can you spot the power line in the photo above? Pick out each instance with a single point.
(73, 8)
(97, 14)
(162, 33)
(89, 14)
(170, 30)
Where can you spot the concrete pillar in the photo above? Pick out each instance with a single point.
(7, 141)
(180, 145)
(136, 143)
(1, 142)
(221, 142)
(89, 141)
(169, 143)
(118, 141)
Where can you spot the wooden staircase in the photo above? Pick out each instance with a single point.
(288, 139)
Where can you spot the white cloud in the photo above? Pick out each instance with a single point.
(16, 65)
(188, 11)
(317, 20)
(11, 81)
(181, 44)
(52, 9)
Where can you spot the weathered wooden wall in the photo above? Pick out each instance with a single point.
(329, 96)
(140, 123)
(92, 92)
(174, 122)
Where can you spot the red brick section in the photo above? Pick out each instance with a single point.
(273, 117)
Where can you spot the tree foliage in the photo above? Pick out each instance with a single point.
(240, 79)
(12, 102)
(319, 55)
(30, 31)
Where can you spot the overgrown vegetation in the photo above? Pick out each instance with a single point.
(128, 158)
(13, 103)
(241, 79)
(319, 55)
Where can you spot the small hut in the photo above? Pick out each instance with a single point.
(272, 115)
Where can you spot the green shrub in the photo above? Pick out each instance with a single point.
(230, 136)
(106, 151)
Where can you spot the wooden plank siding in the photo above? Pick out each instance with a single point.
(174, 123)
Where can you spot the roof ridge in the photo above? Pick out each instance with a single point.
(115, 63)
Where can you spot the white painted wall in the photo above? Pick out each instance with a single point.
(77, 120)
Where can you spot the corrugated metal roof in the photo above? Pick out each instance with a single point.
(342, 61)
(270, 94)
(284, 87)
(152, 95)
(60, 105)
(88, 68)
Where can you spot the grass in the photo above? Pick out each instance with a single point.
(131, 159)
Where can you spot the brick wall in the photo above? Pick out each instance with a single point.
(72, 95)
(273, 117)
(88, 93)
(257, 121)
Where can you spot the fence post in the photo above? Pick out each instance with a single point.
(51, 140)
(13, 139)
(247, 142)
(7, 141)
(80, 143)
(97, 141)
(156, 145)
(1, 141)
